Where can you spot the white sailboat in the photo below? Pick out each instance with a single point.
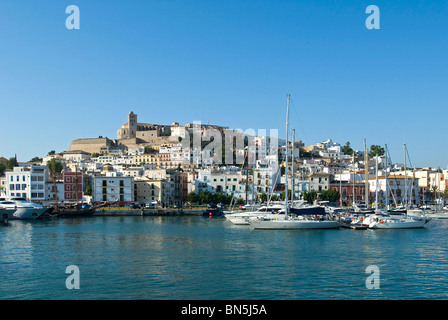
(241, 218)
(404, 222)
(389, 220)
(288, 222)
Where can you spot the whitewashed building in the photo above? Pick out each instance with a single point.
(113, 189)
(27, 182)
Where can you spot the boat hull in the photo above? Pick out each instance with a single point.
(390, 224)
(243, 219)
(293, 224)
(28, 213)
(6, 214)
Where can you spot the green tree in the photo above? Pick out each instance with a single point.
(330, 195)
(52, 152)
(36, 159)
(2, 169)
(55, 168)
(88, 191)
(240, 201)
(347, 149)
(263, 197)
(376, 150)
(192, 197)
(310, 196)
(12, 162)
(205, 197)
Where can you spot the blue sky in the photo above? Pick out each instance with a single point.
(229, 63)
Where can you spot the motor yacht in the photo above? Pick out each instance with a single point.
(23, 209)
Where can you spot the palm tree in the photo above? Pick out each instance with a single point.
(55, 169)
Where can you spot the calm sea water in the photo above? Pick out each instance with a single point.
(177, 258)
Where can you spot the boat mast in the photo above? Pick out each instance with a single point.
(376, 182)
(405, 181)
(366, 160)
(286, 166)
(353, 183)
(385, 174)
(292, 168)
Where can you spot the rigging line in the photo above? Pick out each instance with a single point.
(299, 121)
(410, 162)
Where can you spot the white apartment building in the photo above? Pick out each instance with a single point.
(113, 189)
(27, 182)
(400, 188)
(266, 175)
(218, 181)
(115, 160)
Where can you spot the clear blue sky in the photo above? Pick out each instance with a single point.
(228, 62)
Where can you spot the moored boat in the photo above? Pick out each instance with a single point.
(24, 209)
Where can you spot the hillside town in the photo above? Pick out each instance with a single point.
(177, 165)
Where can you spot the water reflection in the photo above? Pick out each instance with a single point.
(202, 258)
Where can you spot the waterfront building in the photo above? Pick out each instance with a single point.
(2, 186)
(73, 187)
(150, 190)
(113, 189)
(215, 180)
(319, 181)
(266, 175)
(401, 189)
(55, 191)
(27, 182)
(349, 190)
(176, 183)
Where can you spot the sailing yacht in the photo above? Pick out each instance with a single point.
(269, 211)
(23, 209)
(288, 222)
(404, 222)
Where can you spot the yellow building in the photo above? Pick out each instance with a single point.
(150, 190)
(152, 158)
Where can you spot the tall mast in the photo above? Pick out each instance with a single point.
(376, 182)
(292, 168)
(405, 181)
(366, 160)
(353, 183)
(385, 174)
(286, 166)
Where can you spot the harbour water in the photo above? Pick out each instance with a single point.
(201, 258)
